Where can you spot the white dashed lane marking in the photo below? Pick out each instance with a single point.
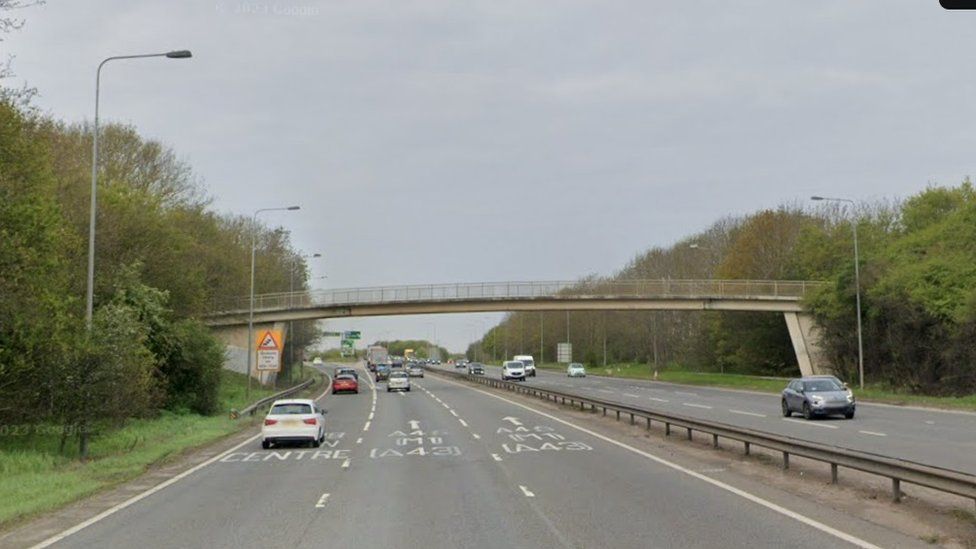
(526, 491)
(753, 414)
(696, 405)
(872, 433)
(655, 399)
(322, 500)
(810, 423)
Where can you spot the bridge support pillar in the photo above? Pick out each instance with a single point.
(235, 343)
(805, 335)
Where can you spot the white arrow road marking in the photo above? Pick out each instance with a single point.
(345, 464)
(526, 491)
(513, 420)
(414, 424)
(322, 500)
(359, 440)
(746, 413)
(496, 457)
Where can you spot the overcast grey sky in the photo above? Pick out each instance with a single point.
(435, 141)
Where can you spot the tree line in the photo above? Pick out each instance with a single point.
(918, 285)
(163, 258)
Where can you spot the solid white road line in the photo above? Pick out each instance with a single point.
(526, 491)
(873, 433)
(813, 523)
(696, 405)
(810, 423)
(496, 457)
(658, 399)
(322, 500)
(753, 414)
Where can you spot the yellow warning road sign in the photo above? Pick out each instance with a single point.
(269, 345)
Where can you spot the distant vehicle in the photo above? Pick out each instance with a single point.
(476, 369)
(817, 396)
(576, 369)
(317, 360)
(347, 371)
(376, 354)
(461, 363)
(513, 369)
(529, 363)
(415, 370)
(382, 372)
(399, 381)
(293, 420)
(345, 383)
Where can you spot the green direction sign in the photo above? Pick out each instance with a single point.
(354, 334)
(347, 343)
(332, 334)
(346, 348)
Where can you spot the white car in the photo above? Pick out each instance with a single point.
(398, 381)
(528, 362)
(513, 369)
(293, 420)
(576, 369)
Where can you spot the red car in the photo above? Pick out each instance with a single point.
(345, 383)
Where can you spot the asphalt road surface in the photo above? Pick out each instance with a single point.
(933, 437)
(452, 465)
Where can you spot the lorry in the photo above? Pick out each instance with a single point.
(375, 354)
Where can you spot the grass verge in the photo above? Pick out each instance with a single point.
(35, 477)
(871, 393)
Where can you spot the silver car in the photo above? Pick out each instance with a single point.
(398, 381)
(817, 396)
(414, 370)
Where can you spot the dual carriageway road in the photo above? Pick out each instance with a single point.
(452, 465)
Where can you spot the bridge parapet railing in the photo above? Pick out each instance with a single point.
(656, 288)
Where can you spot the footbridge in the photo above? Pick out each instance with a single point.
(774, 296)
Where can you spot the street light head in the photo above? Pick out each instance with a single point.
(292, 208)
(316, 255)
(816, 198)
(179, 54)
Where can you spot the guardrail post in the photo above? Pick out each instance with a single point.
(746, 447)
(604, 411)
(786, 460)
(667, 429)
(714, 441)
(896, 490)
(631, 419)
(648, 424)
(833, 473)
(618, 415)
(689, 433)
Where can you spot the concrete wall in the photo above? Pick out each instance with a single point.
(235, 340)
(805, 335)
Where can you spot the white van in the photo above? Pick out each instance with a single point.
(529, 364)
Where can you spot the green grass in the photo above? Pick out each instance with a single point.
(671, 374)
(35, 478)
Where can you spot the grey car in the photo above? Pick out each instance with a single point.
(817, 396)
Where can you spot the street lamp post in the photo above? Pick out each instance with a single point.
(250, 312)
(857, 288)
(90, 291)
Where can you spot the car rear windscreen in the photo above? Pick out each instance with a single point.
(290, 409)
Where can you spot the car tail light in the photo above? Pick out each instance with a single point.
(310, 421)
(270, 421)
